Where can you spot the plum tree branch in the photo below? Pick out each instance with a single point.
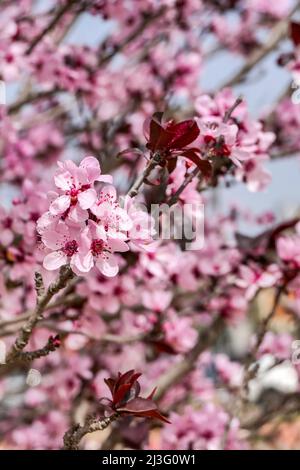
(43, 299)
(251, 369)
(74, 435)
(278, 33)
(51, 25)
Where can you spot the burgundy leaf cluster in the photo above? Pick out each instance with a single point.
(125, 391)
(295, 32)
(170, 140)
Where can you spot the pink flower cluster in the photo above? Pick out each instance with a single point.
(83, 227)
(202, 429)
(242, 139)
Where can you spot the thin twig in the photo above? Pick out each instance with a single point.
(60, 13)
(52, 345)
(25, 332)
(252, 367)
(175, 197)
(142, 178)
(278, 33)
(74, 435)
(133, 35)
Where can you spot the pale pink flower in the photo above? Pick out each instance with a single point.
(65, 245)
(288, 248)
(96, 249)
(179, 332)
(76, 185)
(157, 300)
(112, 218)
(253, 278)
(279, 345)
(230, 147)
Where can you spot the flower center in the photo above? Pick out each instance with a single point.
(97, 247)
(7, 222)
(70, 248)
(73, 195)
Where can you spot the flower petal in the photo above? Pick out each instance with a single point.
(83, 262)
(117, 245)
(53, 239)
(108, 265)
(87, 198)
(54, 260)
(60, 205)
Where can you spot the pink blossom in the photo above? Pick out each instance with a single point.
(202, 430)
(63, 241)
(252, 278)
(179, 332)
(96, 248)
(278, 345)
(111, 218)
(288, 248)
(76, 188)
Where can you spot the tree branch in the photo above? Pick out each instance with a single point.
(60, 13)
(22, 340)
(141, 179)
(278, 33)
(251, 369)
(74, 435)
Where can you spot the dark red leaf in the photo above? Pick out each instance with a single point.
(155, 132)
(134, 377)
(295, 32)
(171, 164)
(203, 165)
(124, 378)
(143, 408)
(138, 405)
(152, 394)
(110, 383)
(184, 133)
(120, 393)
(171, 136)
(156, 415)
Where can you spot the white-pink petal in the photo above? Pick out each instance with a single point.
(106, 179)
(63, 180)
(117, 245)
(108, 265)
(92, 168)
(87, 198)
(77, 215)
(60, 205)
(53, 239)
(54, 260)
(83, 262)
